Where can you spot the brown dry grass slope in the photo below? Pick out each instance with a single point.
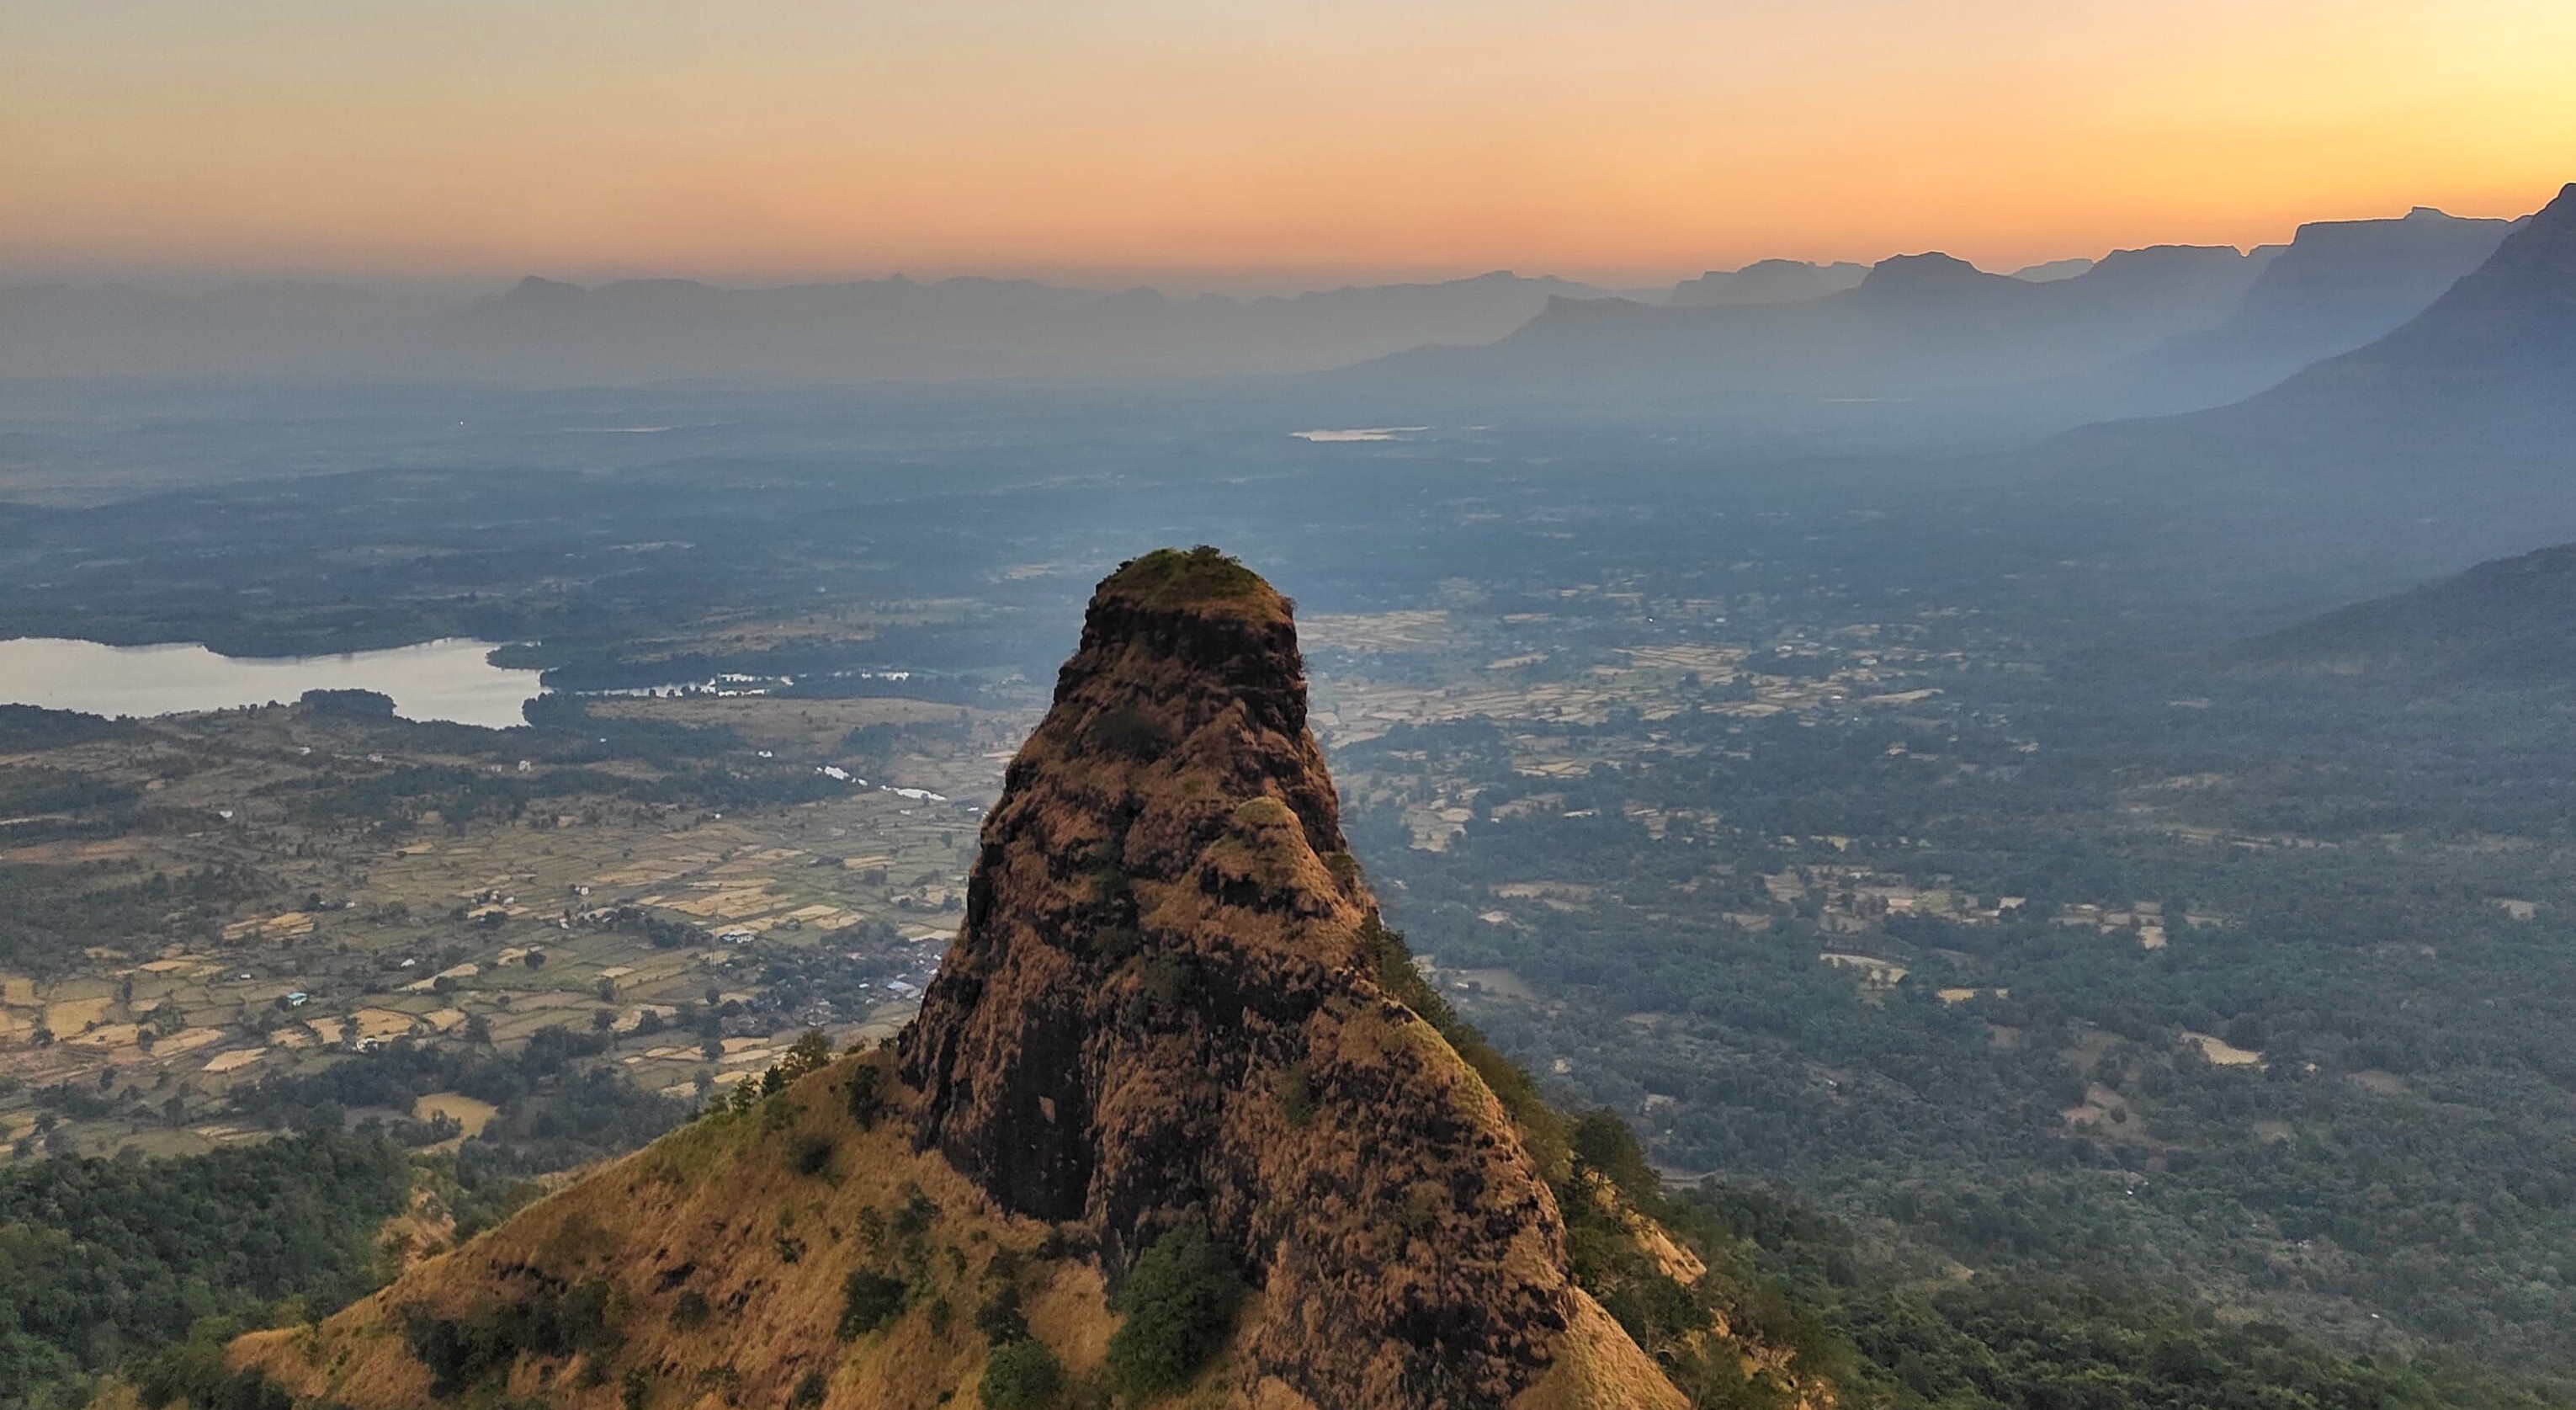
(719, 1265)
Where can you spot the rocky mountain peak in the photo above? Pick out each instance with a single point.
(1165, 1009)
(1929, 273)
(1179, 1121)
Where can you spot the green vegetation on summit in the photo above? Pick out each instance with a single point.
(1198, 577)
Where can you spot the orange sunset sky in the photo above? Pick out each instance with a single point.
(1293, 140)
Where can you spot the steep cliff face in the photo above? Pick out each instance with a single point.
(1165, 1006)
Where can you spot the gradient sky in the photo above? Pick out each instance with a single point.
(751, 139)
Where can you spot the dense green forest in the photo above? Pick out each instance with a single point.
(102, 1261)
(553, 1112)
(2386, 1154)
(2098, 1342)
(1861, 1314)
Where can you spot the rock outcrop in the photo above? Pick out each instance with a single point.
(1166, 1006)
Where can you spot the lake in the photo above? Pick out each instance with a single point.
(447, 680)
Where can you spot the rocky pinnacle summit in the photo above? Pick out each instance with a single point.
(1165, 1006)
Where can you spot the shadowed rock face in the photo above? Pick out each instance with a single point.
(1164, 1005)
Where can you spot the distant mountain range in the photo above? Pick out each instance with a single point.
(2169, 328)
(2513, 317)
(2053, 270)
(1915, 325)
(546, 332)
(2053, 345)
(2450, 439)
(2334, 288)
(1770, 281)
(2488, 366)
(127, 330)
(897, 329)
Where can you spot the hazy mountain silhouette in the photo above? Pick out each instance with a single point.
(2456, 432)
(125, 330)
(2336, 286)
(1927, 340)
(1770, 281)
(1917, 324)
(2493, 356)
(2512, 318)
(2053, 270)
(549, 332)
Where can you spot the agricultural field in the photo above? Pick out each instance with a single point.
(256, 895)
(1381, 671)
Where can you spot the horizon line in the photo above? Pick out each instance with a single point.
(1252, 281)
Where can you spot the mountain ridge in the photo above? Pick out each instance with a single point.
(2487, 364)
(1915, 325)
(1768, 281)
(2517, 307)
(547, 332)
(2445, 443)
(2337, 286)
